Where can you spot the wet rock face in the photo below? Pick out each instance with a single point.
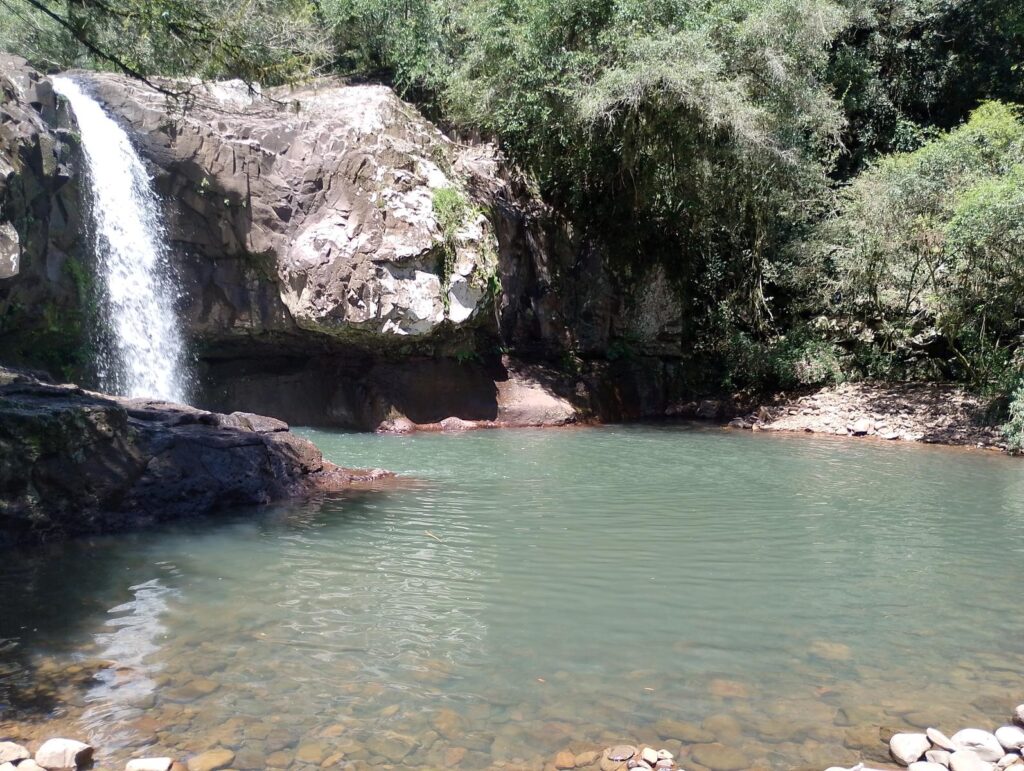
(335, 210)
(41, 223)
(73, 461)
(331, 223)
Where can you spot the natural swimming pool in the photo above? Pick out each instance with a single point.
(714, 592)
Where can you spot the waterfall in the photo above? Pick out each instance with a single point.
(143, 353)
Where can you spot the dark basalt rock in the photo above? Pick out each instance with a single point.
(317, 283)
(73, 461)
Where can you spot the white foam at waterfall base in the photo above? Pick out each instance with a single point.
(145, 356)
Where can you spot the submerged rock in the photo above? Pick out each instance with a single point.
(565, 760)
(73, 461)
(212, 760)
(719, 757)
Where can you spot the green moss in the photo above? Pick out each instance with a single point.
(82, 278)
(451, 210)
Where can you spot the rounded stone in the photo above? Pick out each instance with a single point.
(718, 757)
(924, 765)
(940, 740)
(687, 733)
(1011, 737)
(621, 752)
(24, 765)
(63, 754)
(726, 728)
(1018, 714)
(312, 752)
(984, 744)
(908, 748)
(565, 760)
(211, 760)
(967, 760)
(11, 752)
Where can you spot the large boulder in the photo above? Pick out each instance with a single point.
(73, 461)
(334, 209)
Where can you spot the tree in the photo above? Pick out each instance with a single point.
(268, 41)
(927, 250)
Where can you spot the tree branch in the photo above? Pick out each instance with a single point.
(96, 51)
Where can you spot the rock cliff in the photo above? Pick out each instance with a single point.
(342, 261)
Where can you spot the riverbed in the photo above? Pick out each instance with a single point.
(714, 592)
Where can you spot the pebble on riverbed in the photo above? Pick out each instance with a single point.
(627, 756)
(970, 749)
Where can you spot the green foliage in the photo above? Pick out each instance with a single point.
(270, 41)
(451, 210)
(904, 68)
(783, 160)
(801, 357)
(401, 37)
(1013, 429)
(695, 135)
(81, 278)
(928, 248)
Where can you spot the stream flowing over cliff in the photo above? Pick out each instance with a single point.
(144, 356)
(341, 262)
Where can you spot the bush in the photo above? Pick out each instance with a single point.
(929, 245)
(802, 357)
(1013, 429)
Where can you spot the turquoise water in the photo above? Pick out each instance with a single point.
(544, 590)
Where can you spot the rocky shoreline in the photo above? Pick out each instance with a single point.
(74, 461)
(932, 413)
(969, 749)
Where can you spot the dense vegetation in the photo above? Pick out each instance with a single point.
(835, 186)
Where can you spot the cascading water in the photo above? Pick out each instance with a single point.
(145, 355)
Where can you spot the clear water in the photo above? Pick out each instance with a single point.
(143, 356)
(553, 589)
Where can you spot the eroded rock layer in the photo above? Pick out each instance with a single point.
(73, 461)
